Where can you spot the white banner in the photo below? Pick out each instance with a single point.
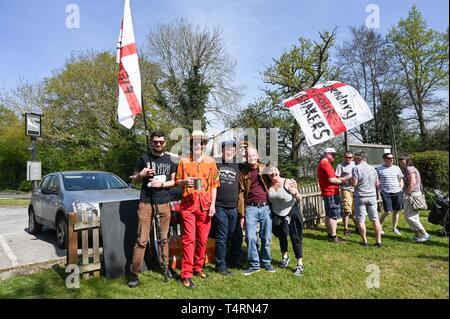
(328, 110)
(130, 102)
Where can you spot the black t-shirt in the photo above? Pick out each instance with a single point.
(163, 166)
(227, 193)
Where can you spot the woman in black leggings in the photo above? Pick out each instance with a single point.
(287, 220)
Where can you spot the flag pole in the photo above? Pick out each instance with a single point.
(145, 125)
(154, 204)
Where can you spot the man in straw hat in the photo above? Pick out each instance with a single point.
(198, 177)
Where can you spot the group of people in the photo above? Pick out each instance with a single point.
(235, 191)
(352, 190)
(238, 193)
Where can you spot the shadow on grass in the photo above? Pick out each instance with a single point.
(60, 271)
(439, 258)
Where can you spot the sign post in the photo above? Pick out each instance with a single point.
(33, 128)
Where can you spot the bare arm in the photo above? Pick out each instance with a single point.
(145, 172)
(336, 180)
(165, 184)
(354, 181)
(292, 188)
(412, 182)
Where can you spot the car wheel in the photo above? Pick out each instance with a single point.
(33, 226)
(61, 232)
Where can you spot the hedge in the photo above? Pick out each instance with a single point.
(433, 168)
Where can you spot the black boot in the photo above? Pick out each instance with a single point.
(133, 281)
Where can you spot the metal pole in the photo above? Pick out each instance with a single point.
(154, 204)
(346, 142)
(145, 126)
(394, 145)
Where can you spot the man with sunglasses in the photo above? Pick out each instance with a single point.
(344, 169)
(391, 189)
(156, 172)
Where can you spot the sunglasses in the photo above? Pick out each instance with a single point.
(158, 142)
(389, 158)
(348, 157)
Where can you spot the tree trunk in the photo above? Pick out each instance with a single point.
(422, 128)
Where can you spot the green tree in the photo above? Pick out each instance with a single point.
(365, 65)
(421, 59)
(81, 130)
(14, 151)
(297, 69)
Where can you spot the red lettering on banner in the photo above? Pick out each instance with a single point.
(127, 88)
(333, 119)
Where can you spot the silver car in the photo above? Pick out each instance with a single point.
(60, 193)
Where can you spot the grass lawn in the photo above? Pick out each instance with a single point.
(14, 202)
(407, 270)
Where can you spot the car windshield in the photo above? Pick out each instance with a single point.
(92, 181)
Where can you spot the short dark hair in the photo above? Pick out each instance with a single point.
(408, 160)
(348, 152)
(361, 154)
(387, 154)
(157, 134)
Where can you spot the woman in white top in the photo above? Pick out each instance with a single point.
(287, 220)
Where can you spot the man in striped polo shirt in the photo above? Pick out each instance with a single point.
(391, 189)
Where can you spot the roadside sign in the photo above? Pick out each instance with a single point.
(34, 171)
(33, 124)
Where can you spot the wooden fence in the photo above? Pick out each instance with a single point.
(311, 205)
(89, 264)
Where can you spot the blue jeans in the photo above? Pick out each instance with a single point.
(226, 225)
(253, 216)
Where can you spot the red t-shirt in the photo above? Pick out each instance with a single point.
(324, 172)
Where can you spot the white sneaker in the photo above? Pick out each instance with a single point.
(382, 232)
(396, 231)
(424, 238)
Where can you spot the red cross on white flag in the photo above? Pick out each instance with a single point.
(328, 110)
(130, 102)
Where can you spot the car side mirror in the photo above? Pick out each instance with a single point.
(50, 192)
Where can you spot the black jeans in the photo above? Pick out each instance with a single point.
(228, 235)
(295, 230)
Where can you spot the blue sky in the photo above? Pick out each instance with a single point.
(36, 40)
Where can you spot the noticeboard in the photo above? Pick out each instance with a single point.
(374, 152)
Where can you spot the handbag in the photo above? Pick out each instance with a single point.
(418, 202)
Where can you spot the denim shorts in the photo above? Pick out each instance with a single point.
(392, 201)
(333, 207)
(364, 206)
